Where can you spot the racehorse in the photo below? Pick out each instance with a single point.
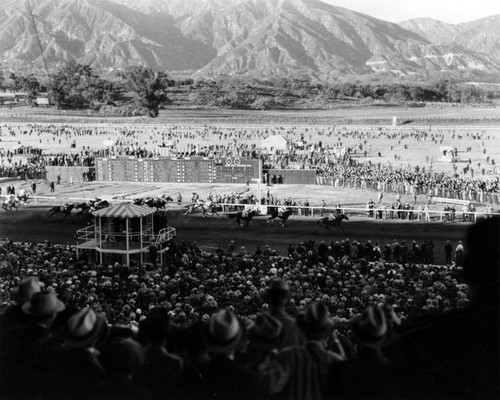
(241, 216)
(11, 202)
(327, 222)
(97, 204)
(159, 203)
(83, 207)
(24, 196)
(207, 209)
(65, 209)
(283, 215)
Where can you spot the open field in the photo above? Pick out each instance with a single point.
(341, 113)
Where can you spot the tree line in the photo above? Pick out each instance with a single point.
(139, 90)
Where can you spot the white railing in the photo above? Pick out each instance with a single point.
(375, 213)
(164, 235)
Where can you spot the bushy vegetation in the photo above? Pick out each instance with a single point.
(143, 91)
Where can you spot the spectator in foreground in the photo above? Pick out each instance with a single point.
(24, 346)
(74, 367)
(14, 314)
(160, 366)
(368, 375)
(221, 377)
(278, 295)
(305, 368)
(455, 355)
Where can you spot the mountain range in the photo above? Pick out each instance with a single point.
(251, 38)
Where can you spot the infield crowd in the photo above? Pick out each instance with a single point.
(336, 161)
(329, 320)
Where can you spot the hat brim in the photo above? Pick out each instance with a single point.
(266, 344)
(326, 330)
(58, 308)
(366, 340)
(217, 346)
(70, 342)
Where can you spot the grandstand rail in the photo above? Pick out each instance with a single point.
(377, 213)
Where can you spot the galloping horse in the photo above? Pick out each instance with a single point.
(11, 202)
(97, 204)
(159, 203)
(24, 196)
(240, 216)
(64, 209)
(327, 222)
(83, 207)
(281, 214)
(208, 208)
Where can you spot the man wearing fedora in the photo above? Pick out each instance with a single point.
(14, 314)
(368, 374)
(25, 345)
(74, 367)
(278, 295)
(160, 366)
(221, 377)
(265, 336)
(305, 367)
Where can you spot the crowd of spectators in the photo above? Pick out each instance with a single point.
(327, 321)
(334, 160)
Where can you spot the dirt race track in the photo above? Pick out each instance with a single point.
(32, 223)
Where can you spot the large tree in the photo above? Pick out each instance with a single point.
(149, 88)
(76, 85)
(27, 84)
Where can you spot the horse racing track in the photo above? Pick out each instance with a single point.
(33, 223)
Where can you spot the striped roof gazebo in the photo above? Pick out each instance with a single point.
(123, 211)
(124, 229)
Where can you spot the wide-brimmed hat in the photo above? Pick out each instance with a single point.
(43, 304)
(157, 324)
(27, 287)
(370, 327)
(267, 332)
(83, 328)
(315, 322)
(278, 284)
(223, 332)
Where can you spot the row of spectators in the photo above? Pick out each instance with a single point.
(367, 342)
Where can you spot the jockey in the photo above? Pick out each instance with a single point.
(248, 208)
(281, 209)
(331, 217)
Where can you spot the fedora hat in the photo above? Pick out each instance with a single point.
(83, 328)
(223, 332)
(26, 288)
(43, 304)
(278, 284)
(370, 327)
(267, 332)
(315, 322)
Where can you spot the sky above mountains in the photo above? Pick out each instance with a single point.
(451, 11)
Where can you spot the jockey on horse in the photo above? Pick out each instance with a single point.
(247, 210)
(10, 202)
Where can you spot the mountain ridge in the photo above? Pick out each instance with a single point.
(251, 38)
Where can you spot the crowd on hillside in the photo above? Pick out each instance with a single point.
(312, 325)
